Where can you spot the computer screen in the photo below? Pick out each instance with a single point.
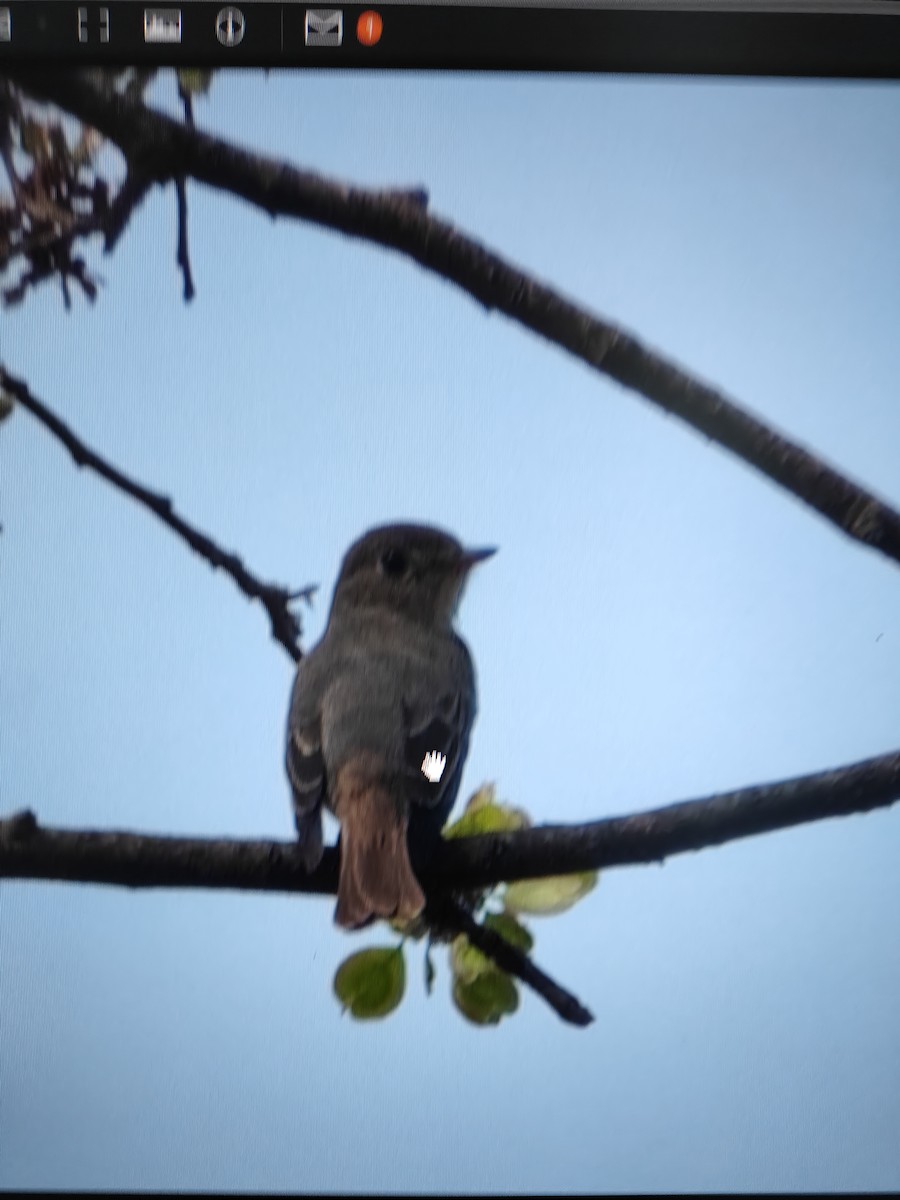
(634, 328)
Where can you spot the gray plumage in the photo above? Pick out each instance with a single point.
(380, 716)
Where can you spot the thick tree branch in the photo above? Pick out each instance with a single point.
(656, 834)
(165, 149)
(128, 199)
(275, 600)
(28, 851)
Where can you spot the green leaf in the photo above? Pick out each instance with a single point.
(466, 961)
(552, 894)
(486, 794)
(487, 999)
(484, 815)
(371, 982)
(194, 80)
(509, 928)
(415, 928)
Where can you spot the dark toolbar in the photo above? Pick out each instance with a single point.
(828, 42)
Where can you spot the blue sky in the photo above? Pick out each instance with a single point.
(660, 623)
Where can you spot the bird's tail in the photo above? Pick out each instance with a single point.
(376, 878)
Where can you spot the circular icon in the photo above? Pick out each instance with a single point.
(230, 26)
(369, 27)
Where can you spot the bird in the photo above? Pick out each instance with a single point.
(380, 716)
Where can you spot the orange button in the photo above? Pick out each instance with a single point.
(369, 27)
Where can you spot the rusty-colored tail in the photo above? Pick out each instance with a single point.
(376, 878)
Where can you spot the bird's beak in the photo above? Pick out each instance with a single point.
(471, 558)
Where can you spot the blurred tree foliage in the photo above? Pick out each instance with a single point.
(64, 183)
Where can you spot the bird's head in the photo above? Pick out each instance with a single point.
(416, 570)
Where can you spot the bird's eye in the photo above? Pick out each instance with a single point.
(393, 562)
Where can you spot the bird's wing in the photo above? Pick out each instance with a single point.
(303, 754)
(436, 743)
(305, 766)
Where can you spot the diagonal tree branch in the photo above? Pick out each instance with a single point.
(446, 912)
(128, 199)
(275, 600)
(165, 149)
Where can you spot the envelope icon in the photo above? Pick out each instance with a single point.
(324, 26)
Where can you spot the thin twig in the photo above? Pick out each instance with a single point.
(449, 913)
(275, 600)
(187, 103)
(167, 148)
(55, 245)
(183, 254)
(112, 225)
